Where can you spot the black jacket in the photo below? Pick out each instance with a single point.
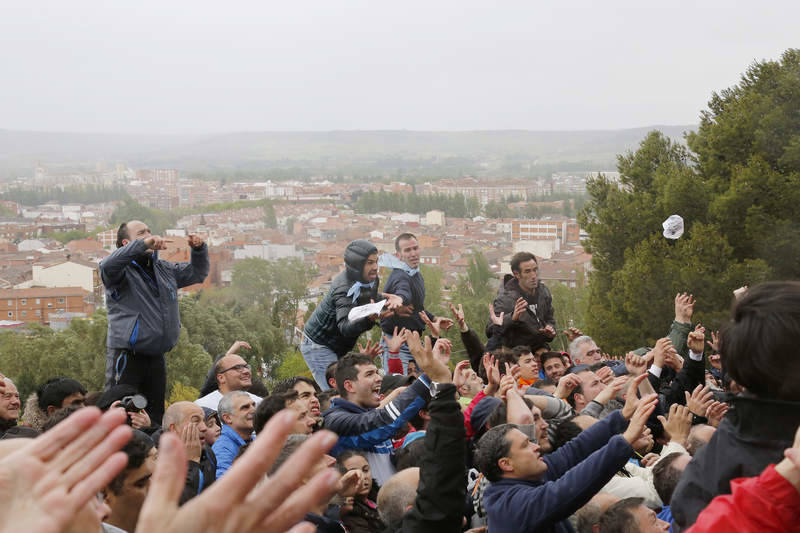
(524, 331)
(753, 435)
(329, 325)
(200, 475)
(412, 290)
(442, 489)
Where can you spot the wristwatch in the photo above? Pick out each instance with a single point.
(438, 389)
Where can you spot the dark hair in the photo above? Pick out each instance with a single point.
(403, 236)
(345, 455)
(492, 447)
(258, 387)
(565, 432)
(544, 382)
(552, 355)
(519, 258)
(122, 234)
(330, 372)
(288, 384)
(758, 344)
(665, 477)
(619, 519)
(519, 351)
(58, 416)
(347, 369)
(269, 407)
(53, 391)
(410, 455)
(577, 390)
(325, 396)
(137, 450)
(497, 417)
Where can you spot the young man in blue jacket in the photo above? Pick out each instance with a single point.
(531, 493)
(143, 318)
(358, 421)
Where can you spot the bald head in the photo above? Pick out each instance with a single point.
(699, 436)
(181, 415)
(397, 495)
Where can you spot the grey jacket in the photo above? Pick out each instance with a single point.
(143, 312)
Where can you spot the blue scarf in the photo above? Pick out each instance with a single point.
(388, 260)
(355, 290)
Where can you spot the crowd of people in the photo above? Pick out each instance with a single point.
(698, 433)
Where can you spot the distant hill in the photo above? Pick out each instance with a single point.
(375, 153)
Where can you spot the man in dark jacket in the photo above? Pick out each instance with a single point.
(406, 282)
(143, 318)
(329, 333)
(527, 304)
(758, 349)
(187, 421)
(530, 493)
(431, 498)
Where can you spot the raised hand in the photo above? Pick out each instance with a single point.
(239, 501)
(519, 307)
(631, 400)
(392, 301)
(696, 339)
(434, 327)
(678, 424)
(492, 373)
(507, 383)
(397, 340)
(684, 308)
(48, 481)
(605, 374)
(699, 400)
(372, 348)
(195, 241)
(659, 353)
(612, 390)
(238, 345)
(716, 412)
(566, 384)
(572, 333)
(349, 483)
(423, 355)
(714, 342)
(649, 460)
(497, 320)
(673, 360)
(461, 373)
(458, 315)
(636, 427)
(442, 349)
(635, 364)
(548, 330)
(154, 242)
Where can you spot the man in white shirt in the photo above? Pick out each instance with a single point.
(232, 373)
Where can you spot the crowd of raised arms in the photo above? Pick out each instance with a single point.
(698, 433)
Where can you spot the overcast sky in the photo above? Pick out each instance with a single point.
(207, 67)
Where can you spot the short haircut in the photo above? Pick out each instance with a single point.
(325, 397)
(53, 391)
(521, 257)
(288, 384)
(347, 369)
(577, 390)
(292, 443)
(492, 447)
(258, 388)
(59, 415)
(758, 345)
(552, 355)
(587, 517)
(544, 382)
(270, 406)
(565, 432)
(137, 451)
(394, 498)
(330, 372)
(574, 346)
(619, 517)
(226, 403)
(403, 237)
(665, 477)
(345, 455)
(519, 351)
(122, 234)
(410, 455)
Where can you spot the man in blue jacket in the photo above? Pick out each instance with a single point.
(358, 421)
(143, 318)
(406, 282)
(530, 493)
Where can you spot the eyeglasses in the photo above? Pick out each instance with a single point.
(238, 368)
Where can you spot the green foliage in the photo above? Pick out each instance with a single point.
(457, 205)
(182, 393)
(270, 220)
(737, 186)
(81, 194)
(156, 219)
(66, 236)
(291, 364)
